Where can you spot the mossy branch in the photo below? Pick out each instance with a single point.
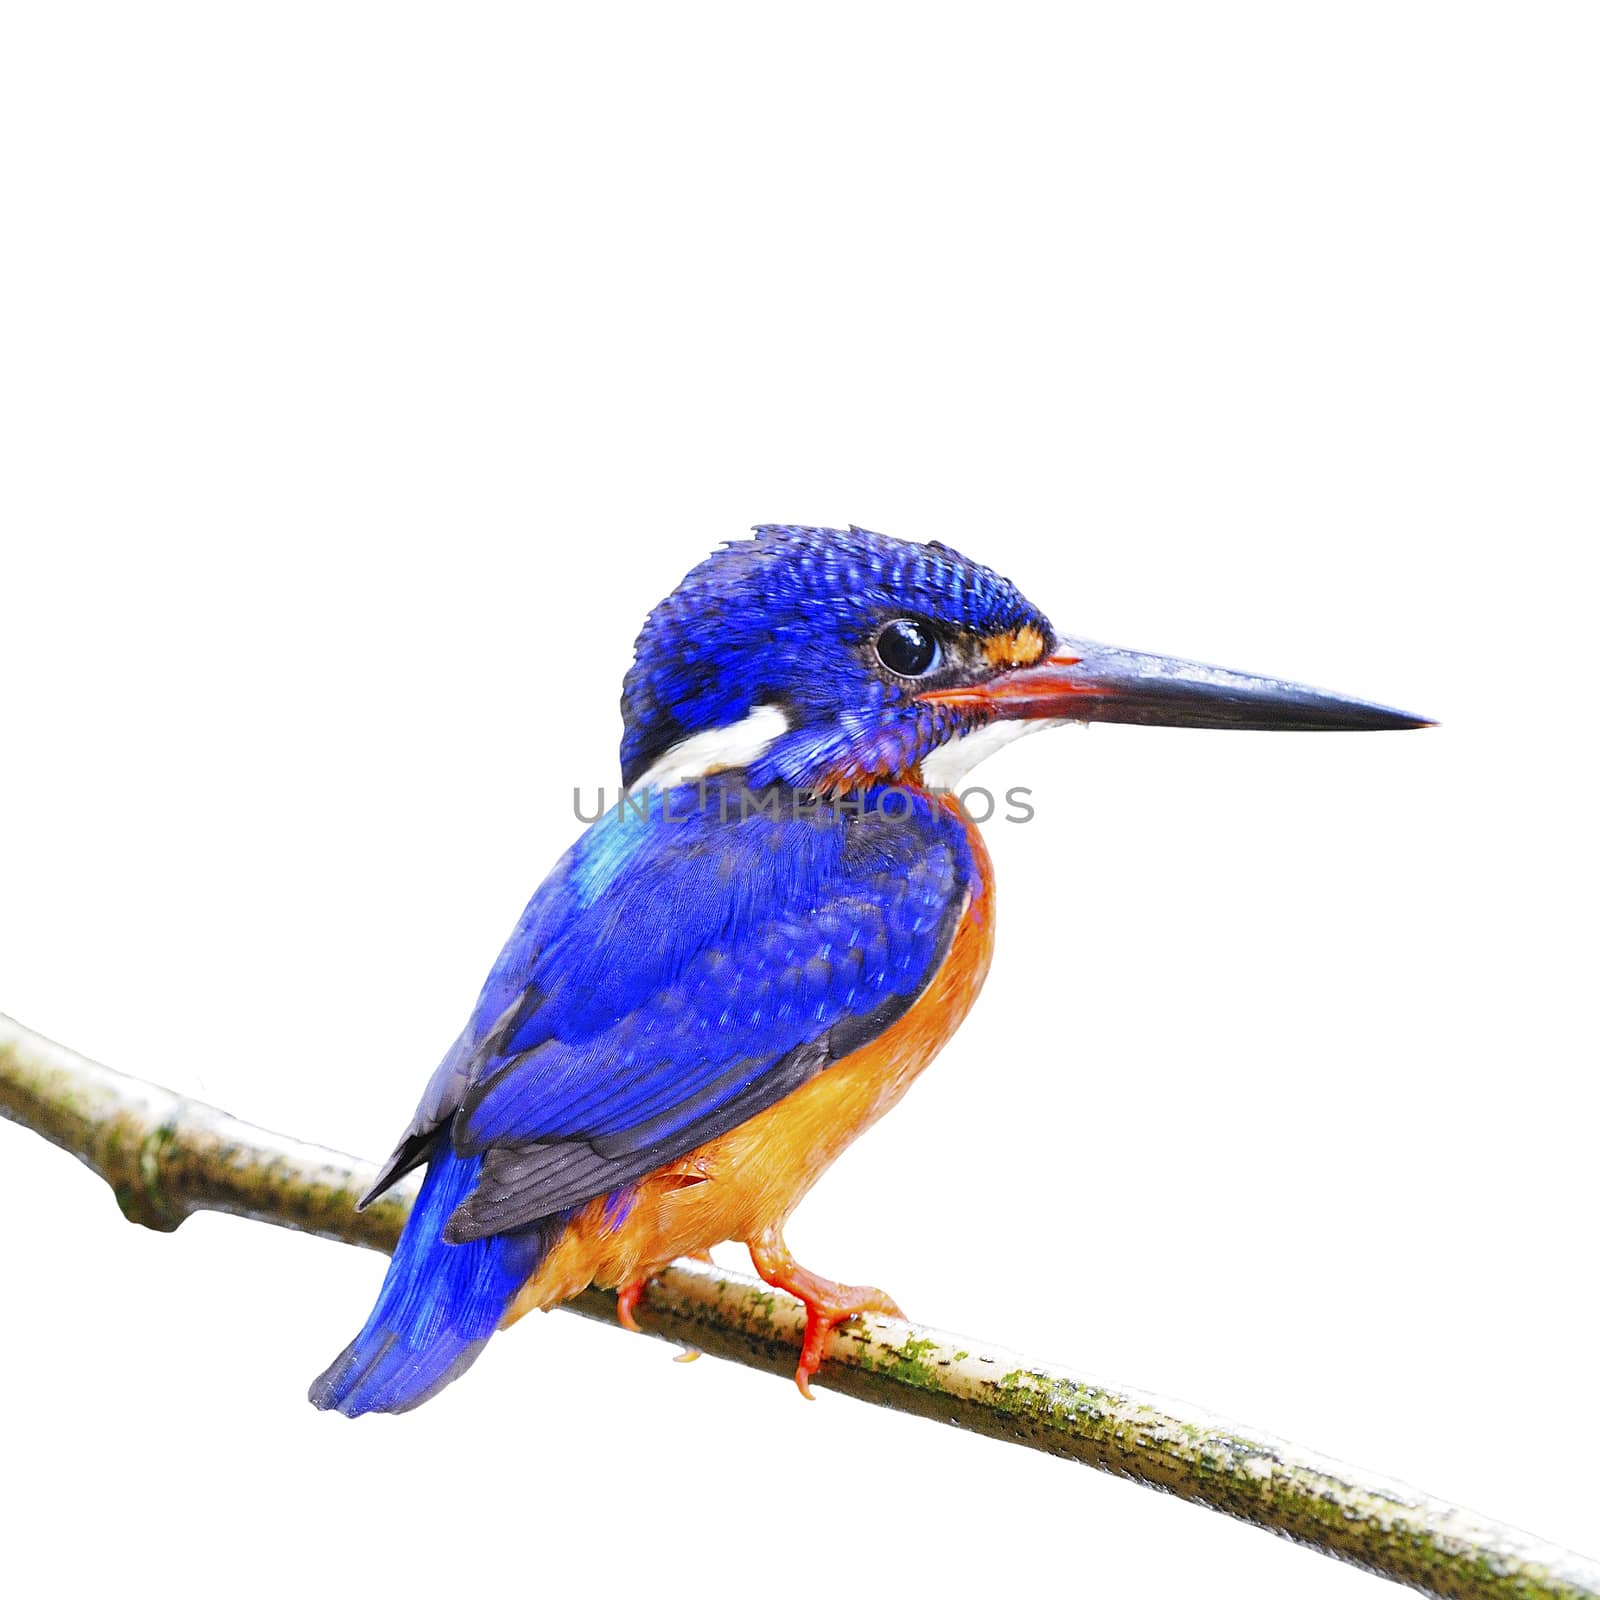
(166, 1156)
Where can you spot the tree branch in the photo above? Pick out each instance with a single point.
(166, 1156)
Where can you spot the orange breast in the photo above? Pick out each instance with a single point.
(752, 1177)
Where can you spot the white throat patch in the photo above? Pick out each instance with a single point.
(716, 750)
(945, 767)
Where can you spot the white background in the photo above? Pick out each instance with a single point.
(368, 372)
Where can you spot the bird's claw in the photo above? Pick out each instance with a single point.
(827, 1303)
(628, 1301)
(823, 1315)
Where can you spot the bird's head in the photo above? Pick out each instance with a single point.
(830, 658)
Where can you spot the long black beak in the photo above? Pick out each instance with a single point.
(1087, 682)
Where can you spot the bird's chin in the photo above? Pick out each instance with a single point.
(948, 766)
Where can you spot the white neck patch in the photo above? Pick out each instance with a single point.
(945, 767)
(716, 750)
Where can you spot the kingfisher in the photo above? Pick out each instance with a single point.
(744, 964)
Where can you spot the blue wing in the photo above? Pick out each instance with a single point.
(672, 979)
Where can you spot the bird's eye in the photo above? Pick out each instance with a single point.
(908, 648)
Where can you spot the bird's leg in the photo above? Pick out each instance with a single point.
(827, 1304)
(628, 1295)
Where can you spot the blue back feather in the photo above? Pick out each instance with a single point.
(721, 943)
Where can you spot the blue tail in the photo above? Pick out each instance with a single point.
(438, 1305)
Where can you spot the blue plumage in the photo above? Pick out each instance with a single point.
(777, 930)
(438, 1305)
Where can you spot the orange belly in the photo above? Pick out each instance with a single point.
(752, 1177)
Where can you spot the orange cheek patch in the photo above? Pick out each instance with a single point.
(1020, 648)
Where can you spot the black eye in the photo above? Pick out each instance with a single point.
(907, 648)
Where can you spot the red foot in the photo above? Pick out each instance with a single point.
(827, 1303)
(628, 1296)
(627, 1299)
